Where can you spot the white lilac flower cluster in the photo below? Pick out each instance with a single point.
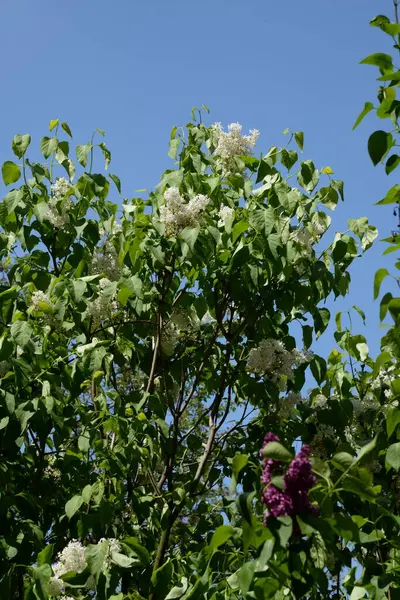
(51, 472)
(286, 405)
(176, 214)
(360, 407)
(385, 378)
(57, 212)
(270, 358)
(105, 260)
(72, 558)
(225, 214)
(180, 322)
(320, 401)
(38, 299)
(318, 442)
(116, 228)
(103, 307)
(233, 143)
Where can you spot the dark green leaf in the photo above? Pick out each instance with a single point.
(299, 137)
(66, 128)
(379, 277)
(379, 143)
(116, 180)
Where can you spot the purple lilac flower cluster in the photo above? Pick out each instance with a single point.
(297, 481)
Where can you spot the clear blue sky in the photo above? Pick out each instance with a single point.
(135, 68)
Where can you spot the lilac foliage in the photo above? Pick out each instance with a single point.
(293, 499)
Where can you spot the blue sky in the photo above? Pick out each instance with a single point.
(135, 68)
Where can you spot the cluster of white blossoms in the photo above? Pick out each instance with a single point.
(360, 407)
(176, 214)
(270, 358)
(181, 322)
(72, 558)
(103, 307)
(225, 213)
(286, 405)
(385, 378)
(40, 301)
(116, 228)
(51, 472)
(233, 143)
(57, 212)
(105, 260)
(318, 442)
(320, 401)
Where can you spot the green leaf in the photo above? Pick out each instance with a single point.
(221, 535)
(357, 593)
(393, 457)
(178, 590)
(288, 158)
(308, 177)
(11, 172)
(321, 320)
(392, 197)
(379, 143)
(299, 137)
(95, 556)
(116, 180)
(342, 461)
(392, 420)
(379, 59)
(22, 333)
(392, 163)
(367, 108)
(173, 148)
(48, 146)
(359, 487)
(265, 555)
(20, 143)
(238, 229)
(82, 152)
(366, 450)
(318, 552)
(53, 123)
(239, 461)
(106, 153)
(44, 557)
(245, 576)
(379, 277)
(161, 578)
(66, 128)
(276, 451)
(190, 235)
(121, 560)
(138, 549)
(73, 505)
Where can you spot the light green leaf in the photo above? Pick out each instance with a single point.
(73, 505)
(221, 535)
(393, 457)
(10, 172)
(367, 108)
(342, 460)
(95, 555)
(276, 451)
(22, 333)
(20, 143)
(48, 146)
(82, 152)
(121, 560)
(178, 590)
(357, 593)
